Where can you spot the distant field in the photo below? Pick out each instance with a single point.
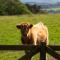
(54, 9)
(10, 35)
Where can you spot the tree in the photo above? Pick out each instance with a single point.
(12, 7)
(34, 8)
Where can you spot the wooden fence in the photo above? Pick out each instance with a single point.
(33, 50)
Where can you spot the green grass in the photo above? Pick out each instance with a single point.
(10, 35)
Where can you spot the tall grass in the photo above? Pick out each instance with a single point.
(10, 35)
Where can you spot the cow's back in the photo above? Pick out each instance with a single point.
(38, 33)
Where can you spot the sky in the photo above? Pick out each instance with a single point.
(41, 1)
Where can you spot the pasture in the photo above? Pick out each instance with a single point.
(10, 35)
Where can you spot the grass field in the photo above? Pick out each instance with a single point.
(10, 35)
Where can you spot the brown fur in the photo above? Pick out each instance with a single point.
(24, 31)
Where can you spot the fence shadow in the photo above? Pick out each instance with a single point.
(31, 50)
(52, 52)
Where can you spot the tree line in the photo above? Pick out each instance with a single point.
(15, 7)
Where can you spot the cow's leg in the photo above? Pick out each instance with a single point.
(35, 40)
(34, 43)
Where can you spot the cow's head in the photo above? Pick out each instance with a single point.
(24, 27)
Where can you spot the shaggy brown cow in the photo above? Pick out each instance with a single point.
(33, 34)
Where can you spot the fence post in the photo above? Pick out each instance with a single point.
(43, 51)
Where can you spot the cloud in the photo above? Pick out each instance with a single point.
(45, 1)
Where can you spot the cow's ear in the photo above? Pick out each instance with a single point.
(18, 26)
(31, 26)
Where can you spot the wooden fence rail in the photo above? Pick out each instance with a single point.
(33, 50)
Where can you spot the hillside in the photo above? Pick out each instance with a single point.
(45, 5)
(49, 7)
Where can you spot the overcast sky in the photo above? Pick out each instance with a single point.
(41, 1)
